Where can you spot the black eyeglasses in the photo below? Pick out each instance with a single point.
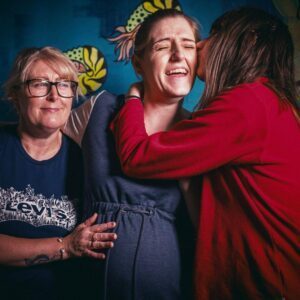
(42, 87)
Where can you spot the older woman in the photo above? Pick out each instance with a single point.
(40, 183)
(245, 142)
(147, 261)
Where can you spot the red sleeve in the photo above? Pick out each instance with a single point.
(231, 130)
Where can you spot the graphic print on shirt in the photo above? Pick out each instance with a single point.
(36, 209)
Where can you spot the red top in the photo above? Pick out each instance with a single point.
(246, 145)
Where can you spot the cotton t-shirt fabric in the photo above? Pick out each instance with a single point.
(38, 199)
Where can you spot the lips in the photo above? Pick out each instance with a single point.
(50, 109)
(177, 71)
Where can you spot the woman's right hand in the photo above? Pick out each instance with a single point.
(88, 238)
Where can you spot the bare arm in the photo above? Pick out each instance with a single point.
(86, 240)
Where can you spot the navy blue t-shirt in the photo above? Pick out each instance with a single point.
(38, 199)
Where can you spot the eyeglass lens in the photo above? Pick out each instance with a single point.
(40, 88)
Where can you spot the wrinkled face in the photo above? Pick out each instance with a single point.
(48, 113)
(169, 61)
(202, 48)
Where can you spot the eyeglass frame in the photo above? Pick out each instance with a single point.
(55, 83)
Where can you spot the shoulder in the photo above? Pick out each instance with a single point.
(107, 99)
(254, 92)
(106, 105)
(247, 97)
(244, 104)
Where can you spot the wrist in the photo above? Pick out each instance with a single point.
(62, 250)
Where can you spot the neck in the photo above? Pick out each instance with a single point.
(162, 115)
(40, 146)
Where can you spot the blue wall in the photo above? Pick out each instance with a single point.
(69, 24)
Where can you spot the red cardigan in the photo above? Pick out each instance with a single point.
(246, 145)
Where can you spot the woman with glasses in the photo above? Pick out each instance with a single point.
(41, 184)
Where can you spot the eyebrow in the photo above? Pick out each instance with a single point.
(169, 39)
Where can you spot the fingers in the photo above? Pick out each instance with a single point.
(104, 237)
(91, 220)
(99, 245)
(101, 241)
(93, 254)
(103, 227)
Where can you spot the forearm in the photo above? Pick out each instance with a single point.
(192, 147)
(24, 252)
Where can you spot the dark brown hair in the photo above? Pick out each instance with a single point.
(245, 44)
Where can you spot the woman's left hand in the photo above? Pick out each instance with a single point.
(88, 238)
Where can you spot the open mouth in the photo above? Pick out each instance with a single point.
(177, 71)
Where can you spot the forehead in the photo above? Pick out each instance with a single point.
(171, 27)
(40, 66)
(41, 69)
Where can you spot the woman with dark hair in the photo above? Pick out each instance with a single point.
(150, 259)
(245, 142)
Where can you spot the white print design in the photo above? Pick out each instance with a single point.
(36, 209)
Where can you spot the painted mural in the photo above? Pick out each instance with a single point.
(126, 34)
(98, 35)
(91, 67)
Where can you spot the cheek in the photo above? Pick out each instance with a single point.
(68, 107)
(194, 63)
(150, 71)
(28, 112)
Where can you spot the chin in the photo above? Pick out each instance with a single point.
(52, 126)
(181, 93)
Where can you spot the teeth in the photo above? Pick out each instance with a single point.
(177, 71)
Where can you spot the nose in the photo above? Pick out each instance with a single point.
(53, 94)
(177, 52)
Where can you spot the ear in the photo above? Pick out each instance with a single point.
(136, 65)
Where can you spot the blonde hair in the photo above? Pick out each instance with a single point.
(25, 60)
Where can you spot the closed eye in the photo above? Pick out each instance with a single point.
(161, 47)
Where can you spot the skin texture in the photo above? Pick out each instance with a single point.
(168, 68)
(43, 115)
(202, 48)
(168, 64)
(39, 129)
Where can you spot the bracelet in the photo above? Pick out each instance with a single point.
(62, 250)
(132, 96)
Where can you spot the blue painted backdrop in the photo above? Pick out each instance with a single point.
(73, 24)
